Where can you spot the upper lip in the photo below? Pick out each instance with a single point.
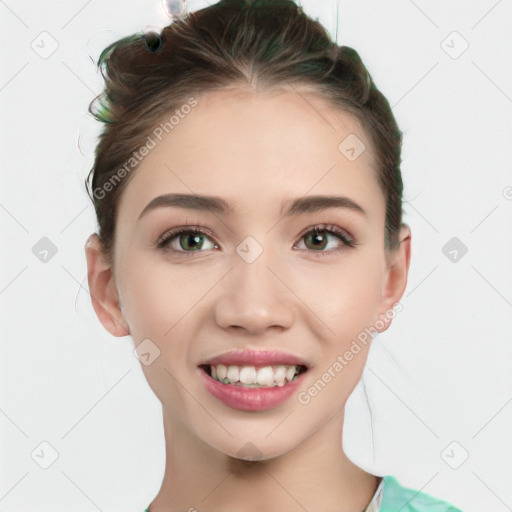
(245, 357)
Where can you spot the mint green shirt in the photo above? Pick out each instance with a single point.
(390, 496)
(396, 498)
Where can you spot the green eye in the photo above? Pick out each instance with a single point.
(318, 241)
(189, 240)
(319, 237)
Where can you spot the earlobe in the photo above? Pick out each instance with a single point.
(396, 278)
(102, 287)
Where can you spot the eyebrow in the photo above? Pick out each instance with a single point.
(217, 205)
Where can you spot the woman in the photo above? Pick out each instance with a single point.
(248, 193)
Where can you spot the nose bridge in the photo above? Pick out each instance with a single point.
(252, 296)
(251, 273)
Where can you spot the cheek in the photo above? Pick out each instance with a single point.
(156, 305)
(146, 299)
(346, 296)
(159, 297)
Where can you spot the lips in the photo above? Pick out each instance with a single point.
(257, 358)
(254, 380)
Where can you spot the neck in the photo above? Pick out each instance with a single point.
(315, 475)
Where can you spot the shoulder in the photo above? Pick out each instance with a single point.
(397, 498)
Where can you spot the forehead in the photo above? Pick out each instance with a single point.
(246, 145)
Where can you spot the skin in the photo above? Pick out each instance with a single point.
(255, 150)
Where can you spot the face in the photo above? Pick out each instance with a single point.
(249, 283)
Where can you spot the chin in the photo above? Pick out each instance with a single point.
(254, 447)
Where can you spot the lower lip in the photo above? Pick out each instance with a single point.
(250, 399)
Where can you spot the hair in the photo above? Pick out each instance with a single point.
(263, 44)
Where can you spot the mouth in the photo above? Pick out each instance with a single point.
(250, 376)
(253, 380)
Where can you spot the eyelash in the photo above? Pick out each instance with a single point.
(348, 241)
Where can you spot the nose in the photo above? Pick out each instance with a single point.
(254, 298)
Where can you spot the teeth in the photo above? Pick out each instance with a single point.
(249, 376)
(290, 373)
(280, 375)
(265, 376)
(222, 372)
(233, 374)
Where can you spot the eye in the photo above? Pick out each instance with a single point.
(323, 239)
(196, 238)
(319, 239)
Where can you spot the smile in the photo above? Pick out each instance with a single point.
(254, 377)
(253, 380)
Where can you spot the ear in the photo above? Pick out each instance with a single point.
(102, 287)
(398, 262)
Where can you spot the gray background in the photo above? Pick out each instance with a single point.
(438, 381)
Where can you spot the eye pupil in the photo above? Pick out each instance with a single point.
(194, 239)
(319, 240)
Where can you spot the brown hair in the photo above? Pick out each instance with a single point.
(261, 43)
